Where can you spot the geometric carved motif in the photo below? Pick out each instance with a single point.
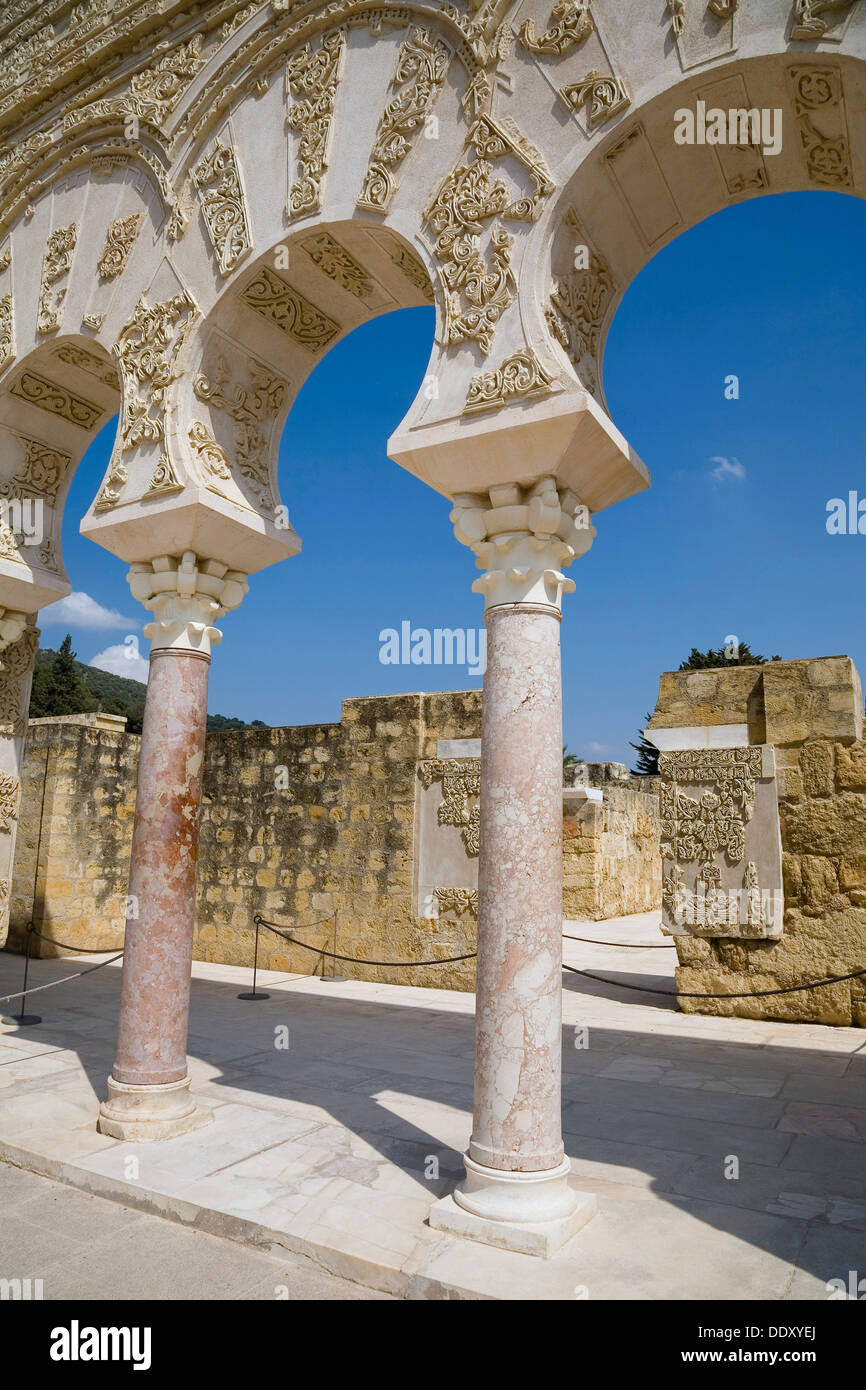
(695, 829)
(461, 779)
(222, 201)
(146, 351)
(421, 66)
(315, 76)
(819, 106)
(292, 313)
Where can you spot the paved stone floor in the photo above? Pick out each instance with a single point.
(86, 1247)
(329, 1148)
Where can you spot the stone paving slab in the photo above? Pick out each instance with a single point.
(334, 1148)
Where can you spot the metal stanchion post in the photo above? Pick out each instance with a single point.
(255, 994)
(25, 1019)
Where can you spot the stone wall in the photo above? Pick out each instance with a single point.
(810, 712)
(319, 826)
(610, 843)
(71, 867)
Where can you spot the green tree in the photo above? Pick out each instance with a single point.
(742, 656)
(568, 759)
(647, 754)
(58, 687)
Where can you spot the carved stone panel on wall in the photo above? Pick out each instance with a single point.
(447, 838)
(721, 843)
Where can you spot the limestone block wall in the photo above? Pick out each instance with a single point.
(811, 713)
(319, 824)
(611, 862)
(71, 867)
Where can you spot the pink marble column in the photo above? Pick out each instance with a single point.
(517, 1191)
(518, 1012)
(148, 1090)
(149, 1083)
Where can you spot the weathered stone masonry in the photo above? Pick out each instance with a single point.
(810, 714)
(301, 822)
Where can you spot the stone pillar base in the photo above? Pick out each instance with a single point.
(150, 1112)
(532, 1213)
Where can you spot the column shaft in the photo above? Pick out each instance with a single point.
(518, 1050)
(154, 1005)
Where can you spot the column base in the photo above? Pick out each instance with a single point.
(532, 1213)
(150, 1112)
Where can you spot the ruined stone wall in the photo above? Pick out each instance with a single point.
(611, 863)
(318, 827)
(811, 714)
(71, 870)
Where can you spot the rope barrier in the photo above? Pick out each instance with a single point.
(81, 950)
(742, 994)
(356, 960)
(89, 971)
(623, 945)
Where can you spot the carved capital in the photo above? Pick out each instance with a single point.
(187, 595)
(523, 537)
(12, 625)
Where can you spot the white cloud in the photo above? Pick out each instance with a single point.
(726, 468)
(122, 660)
(593, 747)
(80, 610)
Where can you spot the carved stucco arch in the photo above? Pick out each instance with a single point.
(270, 123)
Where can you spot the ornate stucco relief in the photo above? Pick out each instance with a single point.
(579, 301)
(75, 356)
(819, 108)
(223, 204)
(56, 266)
(478, 290)
(119, 241)
(713, 826)
(253, 408)
(56, 400)
(569, 25)
(461, 781)
(146, 351)
(813, 19)
(7, 331)
(10, 796)
(458, 900)
(313, 76)
(519, 375)
(604, 97)
(16, 662)
(419, 73)
(339, 265)
(290, 311)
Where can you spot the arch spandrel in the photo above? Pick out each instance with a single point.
(471, 148)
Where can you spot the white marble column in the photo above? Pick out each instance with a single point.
(518, 1192)
(148, 1090)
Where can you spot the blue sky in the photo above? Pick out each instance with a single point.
(730, 539)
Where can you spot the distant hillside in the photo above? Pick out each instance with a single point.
(113, 694)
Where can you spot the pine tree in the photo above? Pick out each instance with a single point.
(59, 688)
(647, 754)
